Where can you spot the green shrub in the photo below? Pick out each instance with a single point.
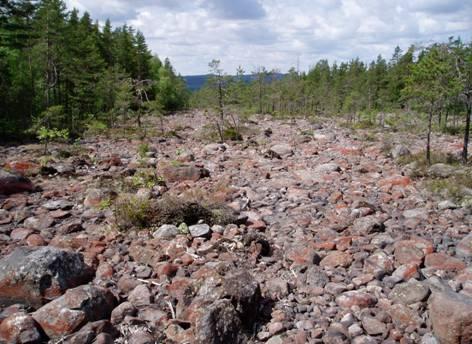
(453, 187)
(143, 148)
(232, 134)
(95, 127)
(132, 212)
(46, 135)
(145, 178)
(177, 210)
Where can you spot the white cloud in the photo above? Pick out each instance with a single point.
(274, 33)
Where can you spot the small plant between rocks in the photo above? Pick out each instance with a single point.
(132, 212)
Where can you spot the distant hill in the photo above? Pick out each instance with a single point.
(195, 82)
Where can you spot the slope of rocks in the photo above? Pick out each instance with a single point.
(330, 243)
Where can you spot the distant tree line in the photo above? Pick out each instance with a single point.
(61, 70)
(435, 81)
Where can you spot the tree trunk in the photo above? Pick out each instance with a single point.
(220, 103)
(467, 129)
(260, 97)
(428, 140)
(446, 117)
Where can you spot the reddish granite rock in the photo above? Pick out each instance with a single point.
(356, 298)
(451, 316)
(20, 328)
(336, 258)
(74, 309)
(11, 183)
(303, 256)
(442, 261)
(412, 251)
(184, 173)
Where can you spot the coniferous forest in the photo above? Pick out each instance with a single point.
(422, 84)
(62, 70)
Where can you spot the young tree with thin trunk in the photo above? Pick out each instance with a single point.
(218, 82)
(431, 82)
(463, 68)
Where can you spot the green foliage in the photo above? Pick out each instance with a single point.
(188, 210)
(52, 57)
(132, 212)
(143, 148)
(96, 127)
(232, 134)
(105, 204)
(145, 178)
(46, 135)
(454, 187)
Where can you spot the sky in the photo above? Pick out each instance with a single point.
(280, 34)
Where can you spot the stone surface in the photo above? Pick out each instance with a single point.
(199, 231)
(219, 323)
(356, 298)
(184, 173)
(451, 317)
(334, 241)
(281, 150)
(12, 183)
(441, 170)
(336, 258)
(464, 247)
(20, 328)
(74, 309)
(410, 292)
(34, 276)
(166, 232)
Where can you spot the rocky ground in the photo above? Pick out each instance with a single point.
(330, 242)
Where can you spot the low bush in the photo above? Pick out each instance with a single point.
(177, 210)
(143, 148)
(132, 212)
(457, 187)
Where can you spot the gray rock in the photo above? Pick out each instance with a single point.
(355, 330)
(35, 275)
(97, 332)
(373, 326)
(441, 170)
(244, 292)
(364, 340)
(399, 151)
(141, 336)
(200, 230)
(275, 340)
(419, 213)
(409, 292)
(219, 323)
(140, 296)
(123, 310)
(281, 150)
(166, 232)
(368, 225)
(464, 247)
(58, 204)
(428, 338)
(447, 204)
(327, 168)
